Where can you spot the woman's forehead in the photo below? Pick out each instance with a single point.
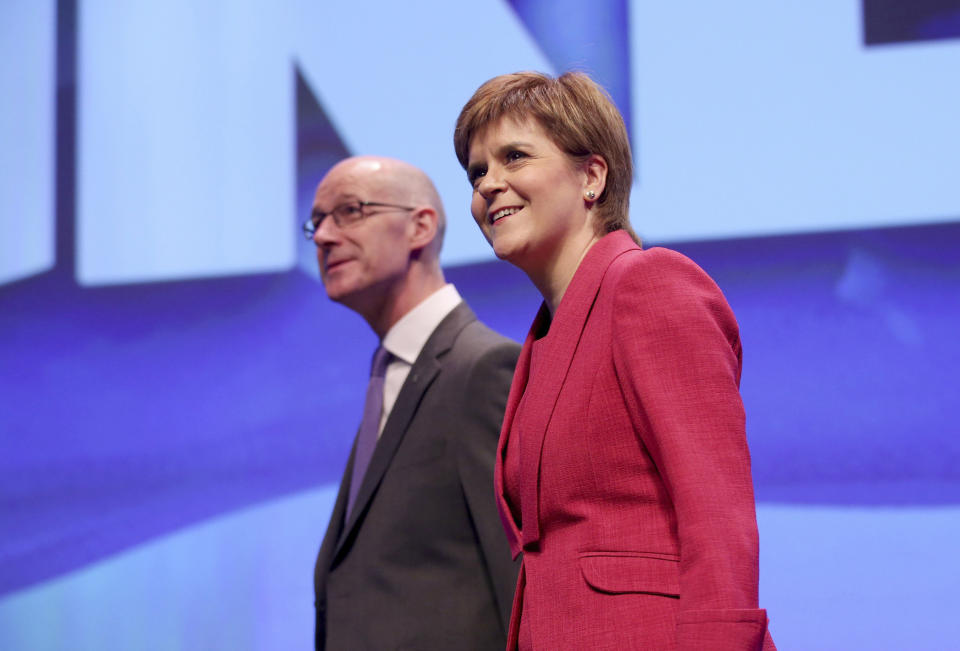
(507, 128)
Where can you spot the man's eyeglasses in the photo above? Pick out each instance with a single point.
(345, 215)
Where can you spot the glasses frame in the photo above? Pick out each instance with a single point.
(313, 222)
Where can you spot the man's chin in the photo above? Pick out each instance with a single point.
(337, 297)
(336, 291)
(344, 293)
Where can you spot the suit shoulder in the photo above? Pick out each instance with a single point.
(478, 340)
(478, 372)
(481, 360)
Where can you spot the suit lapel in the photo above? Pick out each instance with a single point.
(333, 535)
(558, 349)
(422, 374)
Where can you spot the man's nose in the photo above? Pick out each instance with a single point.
(326, 231)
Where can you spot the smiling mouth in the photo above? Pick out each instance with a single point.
(503, 212)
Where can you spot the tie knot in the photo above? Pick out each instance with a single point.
(380, 360)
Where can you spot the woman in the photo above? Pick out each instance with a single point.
(623, 473)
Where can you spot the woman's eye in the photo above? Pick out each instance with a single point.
(515, 155)
(476, 174)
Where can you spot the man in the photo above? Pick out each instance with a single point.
(415, 556)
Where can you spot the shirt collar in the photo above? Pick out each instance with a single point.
(408, 336)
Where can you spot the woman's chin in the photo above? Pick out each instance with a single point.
(505, 250)
(515, 248)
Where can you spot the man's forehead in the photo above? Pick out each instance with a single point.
(351, 179)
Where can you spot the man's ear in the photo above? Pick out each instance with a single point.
(595, 180)
(424, 223)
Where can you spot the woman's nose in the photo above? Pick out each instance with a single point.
(491, 184)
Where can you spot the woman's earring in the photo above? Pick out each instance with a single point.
(591, 195)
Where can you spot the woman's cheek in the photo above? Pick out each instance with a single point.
(478, 210)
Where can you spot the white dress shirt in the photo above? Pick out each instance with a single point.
(407, 338)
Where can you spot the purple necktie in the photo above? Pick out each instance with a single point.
(370, 425)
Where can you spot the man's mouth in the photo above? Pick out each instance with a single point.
(503, 212)
(336, 263)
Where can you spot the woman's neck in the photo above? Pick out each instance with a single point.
(553, 278)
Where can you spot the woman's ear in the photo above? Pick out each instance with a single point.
(424, 224)
(595, 177)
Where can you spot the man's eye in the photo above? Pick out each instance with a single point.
(350, 209)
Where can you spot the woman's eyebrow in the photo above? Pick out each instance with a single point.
(513, 145)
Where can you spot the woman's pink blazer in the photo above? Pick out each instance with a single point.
(637, 518)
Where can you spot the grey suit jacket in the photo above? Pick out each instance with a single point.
(422, 562)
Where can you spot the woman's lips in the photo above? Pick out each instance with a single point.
(502, 213)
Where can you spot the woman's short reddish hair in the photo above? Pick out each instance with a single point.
(579, 117)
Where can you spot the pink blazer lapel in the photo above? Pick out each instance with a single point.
(558, 351)
(517, 387)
